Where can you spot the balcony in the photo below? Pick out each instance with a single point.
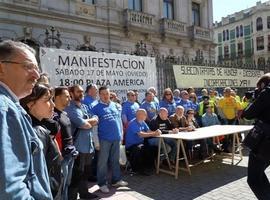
(200, 33)
(140, 21)
(168, 26)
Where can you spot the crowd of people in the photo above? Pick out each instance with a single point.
(56, 139)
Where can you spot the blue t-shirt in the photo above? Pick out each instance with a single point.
(195, 106)
(78, 115)
(151, 109)
(110, 124)
(90, 102)
(134, 128)
(170, 106)
(177, 100)
(129, 111)
(186, 104)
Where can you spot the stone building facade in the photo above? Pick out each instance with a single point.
(244, 37)
(180, 28)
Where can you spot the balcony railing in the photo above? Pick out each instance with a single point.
(173, 27)
(139, 20)
(197, 32)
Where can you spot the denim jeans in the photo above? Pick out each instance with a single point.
(108, 156)
(67, 165)
(257, 180)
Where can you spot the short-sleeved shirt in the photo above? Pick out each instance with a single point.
(110, 124)
(187, 104)
(90, 102)
(82, 137)
(129, 110)
(229, 107)
(151, 109)
(133, 130)
(170, 106)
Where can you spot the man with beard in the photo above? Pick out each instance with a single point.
(23, 168)
(82, 128)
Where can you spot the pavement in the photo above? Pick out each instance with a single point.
(213, 180)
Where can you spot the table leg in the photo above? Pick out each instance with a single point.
(158, 156)
(239, 146)
(166, 153)
(177, 159)
(233, 148)
(185, 156)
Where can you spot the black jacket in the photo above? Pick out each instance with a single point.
(51, 154)
(260, 108)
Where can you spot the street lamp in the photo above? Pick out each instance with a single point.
(52, 40)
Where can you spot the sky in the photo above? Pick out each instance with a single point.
(222, 8)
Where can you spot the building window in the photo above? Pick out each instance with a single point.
(89, 1)
(226, 51)
(219, 37)
(135, 5)
(237, 31)
(241, 31)
(259, 24)
(260, 43)
(196, 19)
(232, 34)
(168, 9)
(268, 22)
(224, 36)
(227, 34)
(240, 49)
(247, 30)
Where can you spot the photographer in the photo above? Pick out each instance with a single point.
(259, 157)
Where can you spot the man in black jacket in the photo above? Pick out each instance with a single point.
(161, 122)
(259, 158)
(64, 137)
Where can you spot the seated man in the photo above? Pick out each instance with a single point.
(210, 119)
(178, 119)
(141, 156)
(162, 122)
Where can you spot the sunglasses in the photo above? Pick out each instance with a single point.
(190, 113)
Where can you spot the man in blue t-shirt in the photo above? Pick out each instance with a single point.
(90, 98)
(129, 108)
(141, 156)
(109, 135)
(150, 106)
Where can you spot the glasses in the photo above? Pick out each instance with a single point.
(29, 66)
(190, 113)
(168, 94)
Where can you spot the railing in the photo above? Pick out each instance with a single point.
(139, 19)
(172, 26)
(200, 33)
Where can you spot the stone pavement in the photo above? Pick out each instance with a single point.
(209, 181)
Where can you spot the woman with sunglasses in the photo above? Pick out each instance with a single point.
(168, 101)
(192, 124)
(39, 106)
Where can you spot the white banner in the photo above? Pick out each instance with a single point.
(214, 77)
(117, 71)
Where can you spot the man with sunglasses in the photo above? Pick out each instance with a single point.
(22, 168)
